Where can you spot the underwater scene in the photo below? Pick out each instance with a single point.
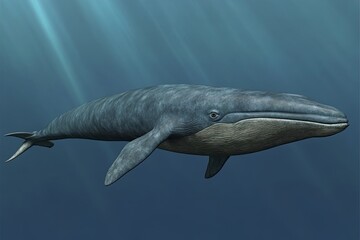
(58, 55)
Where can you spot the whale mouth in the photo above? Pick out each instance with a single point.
(335, 120)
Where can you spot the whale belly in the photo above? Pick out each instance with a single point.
(245, 136)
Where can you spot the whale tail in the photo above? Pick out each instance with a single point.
(30, 140)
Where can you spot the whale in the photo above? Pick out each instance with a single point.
(218, 122)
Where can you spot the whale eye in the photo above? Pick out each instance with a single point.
(214, 114)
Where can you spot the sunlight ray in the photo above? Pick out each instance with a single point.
(57, 47)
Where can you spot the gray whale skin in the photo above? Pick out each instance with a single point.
(192, 119)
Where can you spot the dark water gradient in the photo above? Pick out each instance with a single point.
(55, 55)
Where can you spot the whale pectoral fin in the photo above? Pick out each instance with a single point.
(135, 152)
(216, 162)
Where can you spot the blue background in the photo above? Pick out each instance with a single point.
(55, 55)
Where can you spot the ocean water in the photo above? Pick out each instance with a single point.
(56, 55)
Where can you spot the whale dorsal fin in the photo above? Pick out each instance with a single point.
(216, 162)
(135, 152)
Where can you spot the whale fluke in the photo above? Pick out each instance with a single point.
(27, 143)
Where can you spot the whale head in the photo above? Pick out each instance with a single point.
(241, 122)
(289, 108)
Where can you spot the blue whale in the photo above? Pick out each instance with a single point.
(192, 119)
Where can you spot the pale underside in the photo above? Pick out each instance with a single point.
(247, 136)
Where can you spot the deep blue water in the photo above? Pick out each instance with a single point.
(55, 55)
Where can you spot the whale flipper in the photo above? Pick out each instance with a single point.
(135, 152)
(216, 162)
